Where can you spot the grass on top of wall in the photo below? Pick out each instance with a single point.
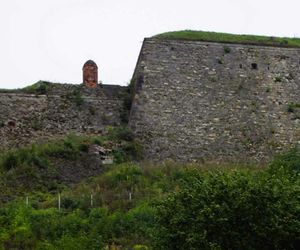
(230, 38)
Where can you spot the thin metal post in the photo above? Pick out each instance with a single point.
(130, 196)
(58, 201)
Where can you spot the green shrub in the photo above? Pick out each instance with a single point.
(288, 161)
(67, 242)
(227, 50)
(278, 79)
(68, 203)
(36, 124)
(292, 107)
(268, 89)
(193, 209)
(140, 247)
(98, 141)
(78, 98)
(135, 149)
(84, 147)
(127, 151)
(142, 219)
(120, 133)
(68, 148)
(129, 174)
(220, 61)
(233, 210)
(40, 87)
(119, 156)
(9, 160)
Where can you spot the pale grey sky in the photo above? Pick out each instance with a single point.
(51, 39)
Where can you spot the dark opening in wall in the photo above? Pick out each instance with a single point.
(11, 123)
(139, 83)
(253, 65)
(241, 66)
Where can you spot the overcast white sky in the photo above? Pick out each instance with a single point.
(51, 39)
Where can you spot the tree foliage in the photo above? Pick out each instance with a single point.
(231, 210)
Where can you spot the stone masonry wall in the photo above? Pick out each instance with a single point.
(64, 109)
(210, 101)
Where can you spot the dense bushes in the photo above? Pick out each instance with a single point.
(26, 228)
(231, 210)
(288, 161)
(154, 207)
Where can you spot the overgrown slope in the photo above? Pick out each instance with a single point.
(52, 166)
(169, 206)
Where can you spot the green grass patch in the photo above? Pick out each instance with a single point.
(292, 107)
(40, 87)
(230, 38)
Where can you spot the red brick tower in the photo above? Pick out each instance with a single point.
(90, 74)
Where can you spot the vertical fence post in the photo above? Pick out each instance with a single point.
(92, 201)
(58, 201)
(27, 201)
(130, 196)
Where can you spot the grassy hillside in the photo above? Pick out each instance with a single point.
(142, 206)
(55, 165)
(230, 38)
(167, 206)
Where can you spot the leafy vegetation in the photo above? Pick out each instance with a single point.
(288, 161)
(144, 206)
(127, 101)
(227, 50)
(230, 38)
(29, 228)
(78, 98)
(231, 210)
(278, 79)
(34, 168)
(292, 107)
(39, 87)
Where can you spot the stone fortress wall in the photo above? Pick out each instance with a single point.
(202, 100)
(64, 109)
(193, 101)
